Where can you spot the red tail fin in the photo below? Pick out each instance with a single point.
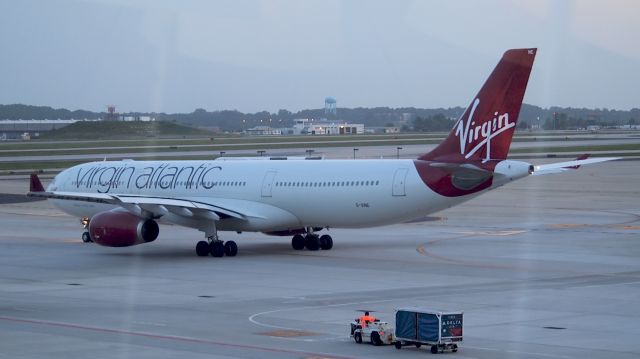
(35, 185)
(485, 130)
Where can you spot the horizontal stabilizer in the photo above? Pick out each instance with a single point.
(569, 165)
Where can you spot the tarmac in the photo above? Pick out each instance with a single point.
(546, 267)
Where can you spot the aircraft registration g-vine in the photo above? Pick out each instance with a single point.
(120, 202)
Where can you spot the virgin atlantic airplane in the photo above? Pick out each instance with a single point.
(120, 202)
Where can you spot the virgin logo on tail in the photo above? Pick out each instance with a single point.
(468, 132)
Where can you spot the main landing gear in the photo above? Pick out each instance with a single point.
(215, 246)
(312, 241)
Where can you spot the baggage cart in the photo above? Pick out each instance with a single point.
(440, 330)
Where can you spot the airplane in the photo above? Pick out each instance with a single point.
(121, 202)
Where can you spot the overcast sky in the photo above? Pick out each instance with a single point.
(253, 55)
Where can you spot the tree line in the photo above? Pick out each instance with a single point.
(409, 118)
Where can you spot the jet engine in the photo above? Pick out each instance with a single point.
(121, 229)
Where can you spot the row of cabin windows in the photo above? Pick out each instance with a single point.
(328, 184)
(178, 183)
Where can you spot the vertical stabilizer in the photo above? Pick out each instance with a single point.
(35, 185)
(485, 130)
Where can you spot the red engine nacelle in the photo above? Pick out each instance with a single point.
(121, 229)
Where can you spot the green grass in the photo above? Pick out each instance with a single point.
(97, 130)
(234, 139)
(222, 147)
(217, 140)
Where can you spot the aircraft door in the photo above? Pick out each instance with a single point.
(399, 179)
(267, 183)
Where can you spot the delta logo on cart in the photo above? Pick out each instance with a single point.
(469, 132)
(452, 325)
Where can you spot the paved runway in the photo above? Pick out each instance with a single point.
(547, 267)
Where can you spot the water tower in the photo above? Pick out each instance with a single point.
(330, 106)
(111, 113)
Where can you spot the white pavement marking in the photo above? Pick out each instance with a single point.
(254, 321)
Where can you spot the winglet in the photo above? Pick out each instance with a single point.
(581, 157)
(35, 185)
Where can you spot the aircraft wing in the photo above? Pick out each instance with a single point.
(569, 165)
(152, 206)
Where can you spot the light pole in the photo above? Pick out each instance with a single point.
(398, 153)
(354, 153)
(261, 152)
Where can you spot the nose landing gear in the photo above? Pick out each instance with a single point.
(86, 238)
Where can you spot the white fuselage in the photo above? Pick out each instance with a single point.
(275, 195)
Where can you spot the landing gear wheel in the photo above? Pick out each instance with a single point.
(454, 348)
(202, 249)
(434, 349)
(375, 339)
(86, 238)
(312, 242)
(398, 344)
(358, 338)
(326, 242)
(297, 242)
(418, 345)
(230, 249)
(216, 248)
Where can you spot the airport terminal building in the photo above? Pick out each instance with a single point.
(305, 126)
